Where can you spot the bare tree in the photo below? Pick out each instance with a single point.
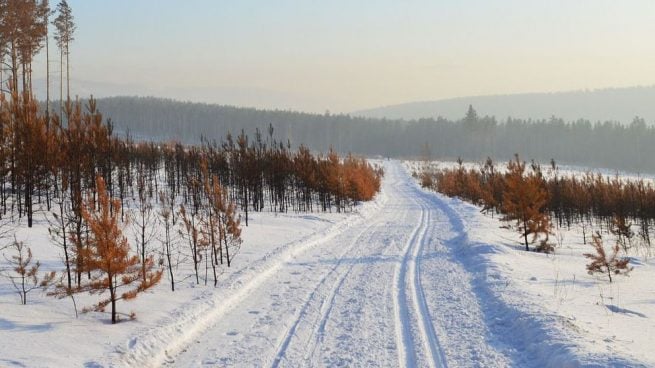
(59, 222)
(190, 230)
(167, 216)
(143, 221)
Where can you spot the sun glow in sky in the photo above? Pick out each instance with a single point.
(345, 55)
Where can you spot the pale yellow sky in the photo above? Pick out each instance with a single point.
(348, 55)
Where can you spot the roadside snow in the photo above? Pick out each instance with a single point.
(45, 333)
(545, 308)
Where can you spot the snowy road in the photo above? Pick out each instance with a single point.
(382, 291)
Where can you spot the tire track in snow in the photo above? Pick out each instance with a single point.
(327, 302)
(160, 345)
(318, 332)
(410, 268)
(430, 340)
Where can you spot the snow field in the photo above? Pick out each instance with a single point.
(61, 340)
(411, 279)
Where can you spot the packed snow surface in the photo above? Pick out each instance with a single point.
(410, 279)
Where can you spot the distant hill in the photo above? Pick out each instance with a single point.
(223, 95)
(616, 104)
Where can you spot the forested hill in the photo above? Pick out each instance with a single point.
(609, 145)
(186, 121)
(616, 104)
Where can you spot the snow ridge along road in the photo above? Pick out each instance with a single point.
(172, 336)
(381, 289)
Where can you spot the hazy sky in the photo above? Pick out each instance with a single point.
(345, 55)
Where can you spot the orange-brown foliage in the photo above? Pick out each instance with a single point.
(613, 203)
(610, 264)
(108, 257)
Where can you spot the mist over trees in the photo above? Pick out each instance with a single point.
(597, 144)
(620, 104)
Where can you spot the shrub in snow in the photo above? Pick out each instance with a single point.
(545, 247)
(601, 262)
(24, 274)
(623, 231)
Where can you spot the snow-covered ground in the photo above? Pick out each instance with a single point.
(411, 279)
(562, 170)
(546, 308)
(583, 317)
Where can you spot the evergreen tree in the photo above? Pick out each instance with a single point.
(524, 202)
(109, 260)
(64, 35)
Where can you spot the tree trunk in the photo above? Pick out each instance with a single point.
(64, 238)
(113, 308)
(143, 248)
(525, 234)
(227, 250)
(68, 77)
(168, 257)
(47, 74)
(61, 86)
(195, 263)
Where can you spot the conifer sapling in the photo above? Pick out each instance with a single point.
(610, 264)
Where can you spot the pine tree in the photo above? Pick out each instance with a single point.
(524, 202)
(108, 260)
(25, 276)
(65, 28)
(45, 13)
(601, 262)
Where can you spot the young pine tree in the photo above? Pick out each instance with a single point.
(601, 262)
(623, 231)
(108, 260)
(25, 276)
(524, 202)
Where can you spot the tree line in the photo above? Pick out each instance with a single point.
(534, 201)
(593, 144)
(68, 171)
(590, 198)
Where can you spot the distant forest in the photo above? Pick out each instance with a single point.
(608, 144)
